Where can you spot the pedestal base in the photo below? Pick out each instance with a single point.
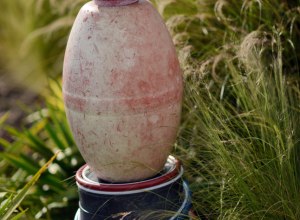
(165, 196)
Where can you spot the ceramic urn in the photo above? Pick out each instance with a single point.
(122, 88)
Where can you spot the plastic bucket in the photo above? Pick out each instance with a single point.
(164, 196)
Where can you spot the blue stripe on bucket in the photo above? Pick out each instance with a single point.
(183, 211)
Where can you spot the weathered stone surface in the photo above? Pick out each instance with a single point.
(122, 88)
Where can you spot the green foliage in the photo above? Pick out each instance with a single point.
(239, 138)
(46, 132)
(13, 201)
(33, 38)
(241, 149)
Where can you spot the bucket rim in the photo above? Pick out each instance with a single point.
(173, 173)
(131, 191)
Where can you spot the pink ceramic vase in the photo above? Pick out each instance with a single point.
(122, 88)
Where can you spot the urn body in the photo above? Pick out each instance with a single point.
(122, 88)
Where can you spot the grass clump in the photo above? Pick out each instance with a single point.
(242, 151)
(239, 137)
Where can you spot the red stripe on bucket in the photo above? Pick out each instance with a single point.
(121, 187)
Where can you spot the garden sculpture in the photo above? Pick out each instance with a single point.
(122, 88)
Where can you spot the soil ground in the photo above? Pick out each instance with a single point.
(15, 100)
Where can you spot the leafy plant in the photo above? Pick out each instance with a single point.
(13, 201)
(46, 132)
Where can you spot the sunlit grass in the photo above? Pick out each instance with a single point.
(239, 138)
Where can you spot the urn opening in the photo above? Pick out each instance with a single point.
(114, 3)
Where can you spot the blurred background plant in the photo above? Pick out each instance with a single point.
(239, 139)
(33, 38)
(13, 201)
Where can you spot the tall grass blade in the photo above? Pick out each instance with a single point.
(19, 215)
(14, 202)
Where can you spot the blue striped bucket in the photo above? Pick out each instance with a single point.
(165, 196)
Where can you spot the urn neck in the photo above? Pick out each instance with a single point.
(114, 3)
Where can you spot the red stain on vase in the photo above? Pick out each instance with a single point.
(143, 86)
(119, 129)
(76, 103)
(81, 137)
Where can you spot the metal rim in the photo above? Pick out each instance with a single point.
(121, 187)
(131, 191)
